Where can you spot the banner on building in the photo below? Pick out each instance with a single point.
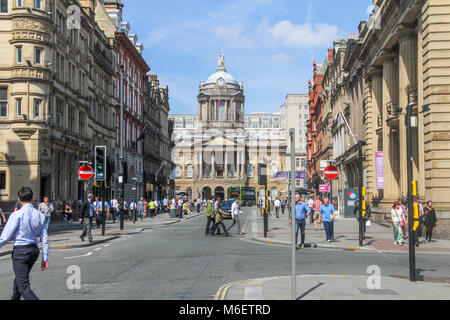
(380, 170)
(300, 175)
(324, 188)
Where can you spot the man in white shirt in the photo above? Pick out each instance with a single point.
(277, 205)
(235, 212)
(310, 205)
(115, 209)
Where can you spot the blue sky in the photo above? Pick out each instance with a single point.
(269, 45)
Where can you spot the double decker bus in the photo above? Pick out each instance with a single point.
(246, 195)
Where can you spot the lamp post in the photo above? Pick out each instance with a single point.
(122, 155)
(292, 214)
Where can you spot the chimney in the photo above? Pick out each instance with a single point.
(330, 55)
(114, 10)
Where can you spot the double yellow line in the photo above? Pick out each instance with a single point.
(222, 292)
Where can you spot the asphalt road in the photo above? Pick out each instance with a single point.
(179, 262)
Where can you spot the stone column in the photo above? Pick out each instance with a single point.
(226, 164)
(200, 165)
(213, 166)
(407, 79)
(391, 187)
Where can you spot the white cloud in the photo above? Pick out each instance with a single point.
(280, 58)
(304, 35)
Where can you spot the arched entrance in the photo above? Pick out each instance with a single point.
(206, 194)
(220, 193)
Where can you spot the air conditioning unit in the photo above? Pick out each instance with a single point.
(58, 120)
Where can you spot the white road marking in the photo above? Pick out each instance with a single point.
(107, 245)
(86, 255)
(98, 249)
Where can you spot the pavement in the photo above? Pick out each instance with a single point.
(66, 235)
(379, 237)
(333, 287)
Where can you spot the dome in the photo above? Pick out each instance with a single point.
(221, 74)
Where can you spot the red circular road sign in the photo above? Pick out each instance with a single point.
(331, 173)
(86, 172)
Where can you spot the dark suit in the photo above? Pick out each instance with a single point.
(86, 220)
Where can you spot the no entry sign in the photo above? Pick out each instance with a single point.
(86, 172)
(331, 173)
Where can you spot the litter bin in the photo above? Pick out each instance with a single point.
(173, 213)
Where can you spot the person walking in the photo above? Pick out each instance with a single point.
(180, 208)
(152, 208)
(277, 206)
(219, 220)
(310, 204)
(165, 204)
(398, 222)
(430, 220)
(209, 215)
(418, 232)
(140, 207)
(235, 213)
(46, 208)
(97, 218)
(301, 212)
(87, 215)
(26, 225)
(115, 209)
(283, 205)
(198, 205)
(316, 207)
(101, 211)
(2, 214)
(327, 216)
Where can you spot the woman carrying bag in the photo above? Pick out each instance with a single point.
(219, 220)
(430, 220)
(398, 222)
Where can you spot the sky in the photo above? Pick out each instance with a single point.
(269, 45)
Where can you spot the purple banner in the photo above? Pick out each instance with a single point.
(380, 170)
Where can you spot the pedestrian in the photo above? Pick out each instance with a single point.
(180, 208)
(115, 209)
(235, 213)
(46, 208)
(140, 207)
(198, 203)
(418, 232)
(366, 217)
(87, 216)
(219, 220)
(310, 204)
(125, 209)
(2, 214)
(404, 206)
(145, 208)
(209, 215)
(158, 207)
(18, 206)
(398, 222)
(327, 216)
(277, 206)
(316, 207)
(165, 204)
(152, 208)
(97, 218)
(26, 225)
(102, 206)
(68, 213)
(301, 212)
(430, 220)
(283, 205)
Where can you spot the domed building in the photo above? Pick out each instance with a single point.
(221, 100)
(215, 151)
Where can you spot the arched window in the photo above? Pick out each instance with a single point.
(189, 171)
(178, 172)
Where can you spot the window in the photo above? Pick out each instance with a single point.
(276, 126)
(177, 172)
(297, 163)
(3, 6)
(37, 107)
(306, 116)
(297, 183)
(19, 3)
(250, 169)
(255, 126)
(2, 180)
(19, 107)
(38, 4)
(37, 55)
(3, 102)
(276, 119)
(189, 171)
(19, 54)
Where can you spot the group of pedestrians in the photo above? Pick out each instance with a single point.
(215, 217)
(400, 221)
(320, 213)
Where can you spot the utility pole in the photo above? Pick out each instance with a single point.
(411, 215)
(122, 156)
(292, 213)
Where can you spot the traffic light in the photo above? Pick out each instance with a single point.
(262, 174)
(100, 163)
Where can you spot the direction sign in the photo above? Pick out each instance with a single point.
(86, 172)
(324, 188)
(331, 173)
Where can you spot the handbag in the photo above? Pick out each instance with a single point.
(368, 223)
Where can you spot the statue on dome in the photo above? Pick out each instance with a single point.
(221, 62)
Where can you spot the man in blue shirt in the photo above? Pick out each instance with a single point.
(327, 216)
(301, 212)
(100, 213)
(26, 225)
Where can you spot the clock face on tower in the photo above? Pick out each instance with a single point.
(221, 83)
